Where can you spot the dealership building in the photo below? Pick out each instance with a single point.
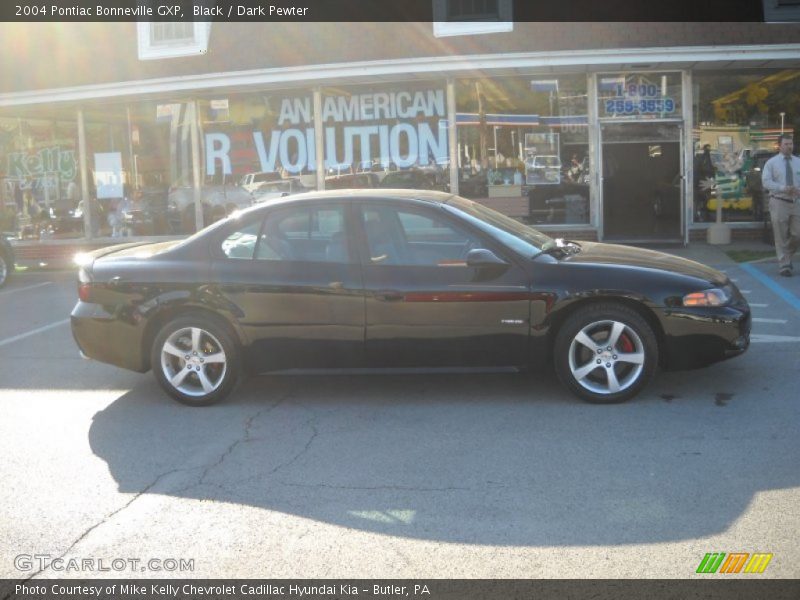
(587, 130)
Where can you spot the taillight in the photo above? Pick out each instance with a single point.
(85, 291)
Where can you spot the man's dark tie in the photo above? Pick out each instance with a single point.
(789, 174)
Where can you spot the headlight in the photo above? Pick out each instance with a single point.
(712, 297)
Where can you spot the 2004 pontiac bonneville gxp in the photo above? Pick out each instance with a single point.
(399, 278)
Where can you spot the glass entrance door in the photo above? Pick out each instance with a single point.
(642, 182)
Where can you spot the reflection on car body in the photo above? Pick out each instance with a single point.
(399, 278)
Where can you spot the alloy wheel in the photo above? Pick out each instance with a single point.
(606, 357)
(193, 361)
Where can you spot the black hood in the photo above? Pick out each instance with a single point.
(615, 254)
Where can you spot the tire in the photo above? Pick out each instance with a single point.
(602, 340)
(5, 269)
(196, 360)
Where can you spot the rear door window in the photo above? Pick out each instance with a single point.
(311, 234)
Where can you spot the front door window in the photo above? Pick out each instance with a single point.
(404, 237)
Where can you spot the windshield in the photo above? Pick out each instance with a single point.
(522, 238)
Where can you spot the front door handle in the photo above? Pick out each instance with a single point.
(389, 295)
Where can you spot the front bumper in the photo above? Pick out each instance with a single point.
(697, 337)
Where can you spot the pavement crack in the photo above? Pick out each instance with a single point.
(245, 438)
(296, 457)
(314, 434)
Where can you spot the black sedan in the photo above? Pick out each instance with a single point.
(399, 278)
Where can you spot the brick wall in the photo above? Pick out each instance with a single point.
(737, 235)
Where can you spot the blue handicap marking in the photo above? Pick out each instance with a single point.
(771, 284)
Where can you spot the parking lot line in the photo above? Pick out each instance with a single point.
(772, 339)
(764, 320)
(772, 285)
(22, 336)
(22, 289)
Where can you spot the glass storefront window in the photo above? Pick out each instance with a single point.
(42, 183)
(387, 136)
(738, 117)
(256, 147)
(38, 169)
(110, 171)
(523, 146)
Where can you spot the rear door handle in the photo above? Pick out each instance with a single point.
(389, 296)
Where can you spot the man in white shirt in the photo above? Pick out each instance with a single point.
(781, 178)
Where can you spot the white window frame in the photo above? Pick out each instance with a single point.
(196, 46)
(774, 13)
(444, 28)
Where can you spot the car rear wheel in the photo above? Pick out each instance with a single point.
(606, 353)
(195, 360)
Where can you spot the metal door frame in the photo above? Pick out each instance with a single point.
(596, 149)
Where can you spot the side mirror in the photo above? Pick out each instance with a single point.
(481, 257)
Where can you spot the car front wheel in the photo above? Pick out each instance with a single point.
(195, 360)
(606, 353)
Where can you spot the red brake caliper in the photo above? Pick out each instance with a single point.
(625, 344)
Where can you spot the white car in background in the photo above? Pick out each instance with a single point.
(279, 189)
(251, 182)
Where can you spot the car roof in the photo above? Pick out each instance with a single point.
(429, 196)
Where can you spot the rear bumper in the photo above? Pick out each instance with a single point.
(697, 337)
(108, 338)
